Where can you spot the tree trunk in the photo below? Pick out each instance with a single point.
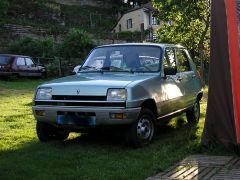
(202, 71)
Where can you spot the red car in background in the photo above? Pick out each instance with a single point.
(20, 66)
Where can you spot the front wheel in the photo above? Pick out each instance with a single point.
(193, 114)
(47, 132)
(142, 131)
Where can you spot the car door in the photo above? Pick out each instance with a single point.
(187, 77)
(21, 67)
(171, 89)
(32, 69)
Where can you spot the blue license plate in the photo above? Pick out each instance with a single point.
(76, 120)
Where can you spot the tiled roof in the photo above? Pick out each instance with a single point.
(148, 6)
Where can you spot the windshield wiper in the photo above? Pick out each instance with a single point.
(112, 68)
(86, 68)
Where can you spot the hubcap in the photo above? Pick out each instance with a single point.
(144, 128)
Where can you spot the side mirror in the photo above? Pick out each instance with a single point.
(76, 69)
(170, 71)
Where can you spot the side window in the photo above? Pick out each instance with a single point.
(183, 62)
(21, 62)
(29, 62)
(169, 58)
(169, 62)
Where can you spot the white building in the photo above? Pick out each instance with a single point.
(139, 19)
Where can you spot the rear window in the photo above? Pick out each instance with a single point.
(4, 60)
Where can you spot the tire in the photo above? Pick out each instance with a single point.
(15, 76)
(61, 136)
(46, 132)
(193, 114)
(43, 75)
(142, 131)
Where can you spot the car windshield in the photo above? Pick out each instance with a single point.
(4, 60)
(123, 59)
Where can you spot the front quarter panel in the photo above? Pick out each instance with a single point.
(140, 92)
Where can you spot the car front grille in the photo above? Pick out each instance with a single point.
(79, 98)
(102, 104)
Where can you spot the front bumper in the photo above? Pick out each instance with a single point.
(99, 116)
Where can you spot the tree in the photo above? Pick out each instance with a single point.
(130, 2)
(76, 44)
(3, 7)
(186, 22)
(138, 2)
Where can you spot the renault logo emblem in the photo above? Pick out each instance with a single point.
(78, 91)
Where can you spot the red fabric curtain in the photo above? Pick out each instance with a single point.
(232, 18)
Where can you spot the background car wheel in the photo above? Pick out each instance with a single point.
(46, 132)
(43, 75)
(193, 115)
(15, 76)
(142, 131)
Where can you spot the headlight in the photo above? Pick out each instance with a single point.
(44, 94)
(117, 95)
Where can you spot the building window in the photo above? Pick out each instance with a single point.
(154, 20)
(129, 23)
(154, 36)
(170, 22)
(119, 28)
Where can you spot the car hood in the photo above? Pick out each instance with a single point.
(92, 84)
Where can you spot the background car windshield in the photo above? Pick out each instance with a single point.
(4, 60)
(124, 58)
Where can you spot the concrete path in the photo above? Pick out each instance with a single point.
(203, 167)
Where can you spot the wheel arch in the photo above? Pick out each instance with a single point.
(199, 96)
(151, 105)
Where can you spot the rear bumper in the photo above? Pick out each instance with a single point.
(99, 116)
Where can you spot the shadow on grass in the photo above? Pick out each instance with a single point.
(115, 138)
(28, 104)
(99, 156)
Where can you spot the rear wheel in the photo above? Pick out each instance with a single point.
(193, 114)
(142, 131)
(15, 76)
(47, 132)
(43, 75)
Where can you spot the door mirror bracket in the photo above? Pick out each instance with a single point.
(170, 71)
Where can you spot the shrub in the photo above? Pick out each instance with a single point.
(76, 44)
(31, 47)
(3, 7)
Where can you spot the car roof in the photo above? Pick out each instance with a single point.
(14, 55)
(162, 45)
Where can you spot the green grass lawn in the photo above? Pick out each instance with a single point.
(22, 156)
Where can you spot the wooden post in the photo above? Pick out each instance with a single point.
(142, 32)
(59, 67)
(90, 17)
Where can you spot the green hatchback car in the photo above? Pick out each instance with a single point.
(132, 86)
